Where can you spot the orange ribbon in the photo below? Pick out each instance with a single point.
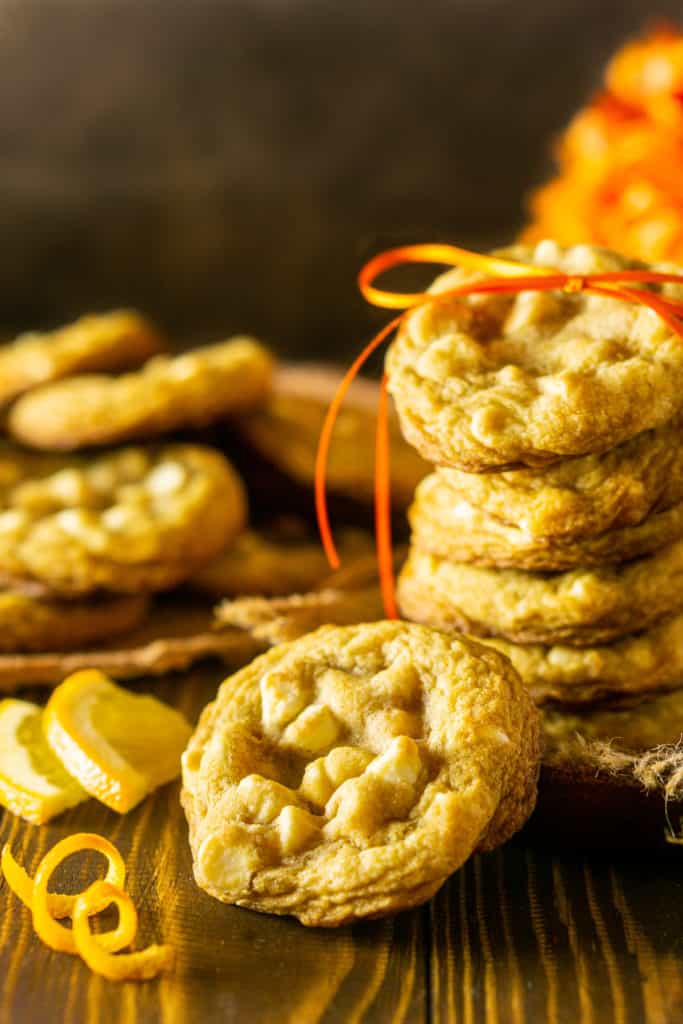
(503, 276)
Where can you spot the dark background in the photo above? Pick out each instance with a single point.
(228, 164)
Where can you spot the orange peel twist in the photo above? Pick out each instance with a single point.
(140, 966)
(500, 276)
(95, 949)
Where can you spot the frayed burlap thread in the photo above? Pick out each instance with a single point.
(658, 770)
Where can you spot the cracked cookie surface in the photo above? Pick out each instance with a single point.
(640, 663)
(445, 524)
(582, 607)
(168, 393)
(137, 519)
(110, 342)
(497, 381)
(581, 497)
(347, 774)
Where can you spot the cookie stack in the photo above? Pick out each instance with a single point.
(553, 524)
(87, 536)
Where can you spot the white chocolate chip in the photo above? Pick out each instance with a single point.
(282, 698)
(400, 762)
(263, 799)
(228, 860)
(325, 774)
(297, 829)
(316, 785)
(166, 478)
(313, 731)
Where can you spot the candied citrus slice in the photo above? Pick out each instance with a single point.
(120, 746)
(33, 781)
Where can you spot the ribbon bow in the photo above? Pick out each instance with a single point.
(501, 276)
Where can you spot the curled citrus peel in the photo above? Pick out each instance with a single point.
(140, 966)
(95, 949)
(20, 882)
(502, 276)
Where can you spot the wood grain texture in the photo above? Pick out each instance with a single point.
(520, 935)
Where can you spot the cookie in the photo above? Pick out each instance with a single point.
(652, 723)
(31, 625)
(491, 382)
(640, 663)
(445, 524)
(287, 429)
(581, 497)
(582, 607)
(110, 342)
(189, 390)
(348, 774)
(282, 560)
(134, 520)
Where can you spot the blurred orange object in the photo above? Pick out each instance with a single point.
(620, 181)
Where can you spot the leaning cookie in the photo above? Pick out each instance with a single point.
(582, 607)
(138, 519)
(348, 774)
(445, 524)
(190, 390)
(578, 498)
(286, 431)
(491, 382)
(30, 625)
(110, 342)
(281, 560)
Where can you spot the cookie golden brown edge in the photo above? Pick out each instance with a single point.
(169, 393)
(107, 342)
(499, 381)
(349, 773)
(134, 519)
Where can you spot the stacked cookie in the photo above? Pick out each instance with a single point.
(86, 537)
(553, 525)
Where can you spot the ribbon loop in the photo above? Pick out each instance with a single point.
(496, 276)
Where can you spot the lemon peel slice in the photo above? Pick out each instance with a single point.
(33, 782)
(118, 745)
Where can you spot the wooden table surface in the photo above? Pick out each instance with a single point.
(523, 934)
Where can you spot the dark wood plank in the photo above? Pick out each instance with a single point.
(524, 935)
(232, 965)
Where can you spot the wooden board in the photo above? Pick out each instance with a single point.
(523, 934)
